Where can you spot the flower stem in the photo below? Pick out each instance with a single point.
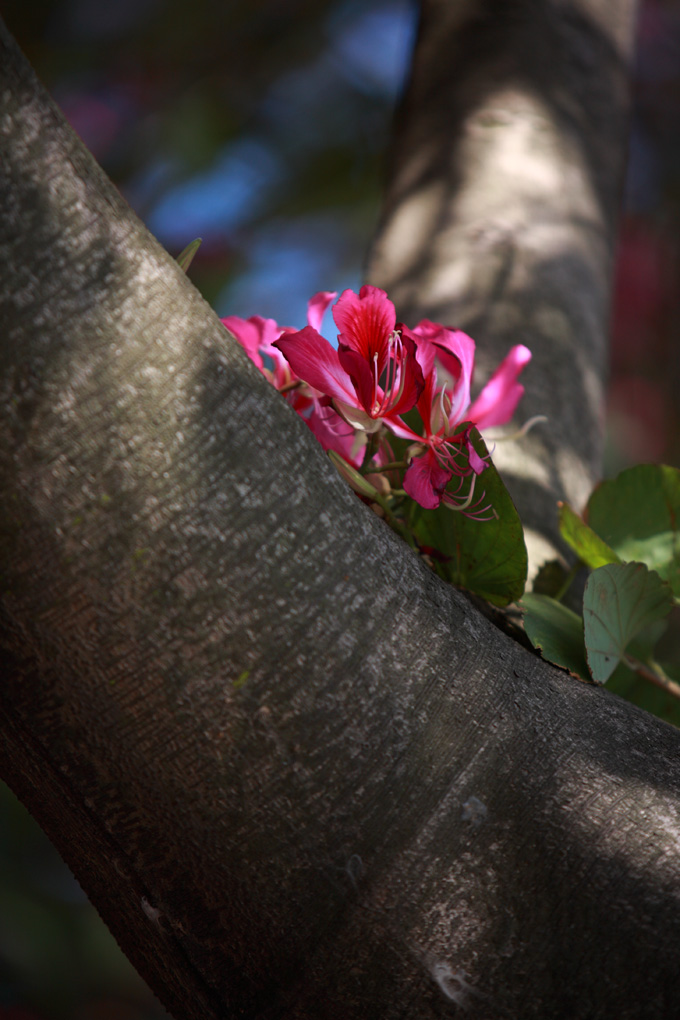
(371, 450)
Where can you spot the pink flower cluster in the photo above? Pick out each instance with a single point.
(354, 397)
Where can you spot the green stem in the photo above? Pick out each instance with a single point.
(371, 450)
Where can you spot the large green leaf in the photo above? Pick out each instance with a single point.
(557, 632)
(487, 557)
(588, 546)
(619, 601)
(638, 516)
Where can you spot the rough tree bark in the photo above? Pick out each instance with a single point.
(297, 774)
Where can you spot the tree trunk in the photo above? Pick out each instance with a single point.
(298, 775)
(504, 187)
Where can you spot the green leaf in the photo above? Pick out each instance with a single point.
(186, 256)
(588, 546)
(557, 632)
(638, 516)
(619, 601)
(487, 557)
(550, 579)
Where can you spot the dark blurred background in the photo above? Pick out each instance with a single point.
(261, 127)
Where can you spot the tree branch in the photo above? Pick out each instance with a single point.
(298, 775)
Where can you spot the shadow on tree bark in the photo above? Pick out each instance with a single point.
(297, 774)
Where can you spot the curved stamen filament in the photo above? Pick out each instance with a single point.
(466, 503)
(395, 380)
(440, 418)
(449, 500)
(528, 425)
(447, 454)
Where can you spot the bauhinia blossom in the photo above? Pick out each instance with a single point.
(374, 373)
(380, 371)
(447, 358)
(257, 336)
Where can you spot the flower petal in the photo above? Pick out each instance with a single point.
(476, 462)
(315, 362)
(425, 480)
(317, 305)
(496, 404)
(252, 334)
(360, 373)
(334, 433)
(409, 378)
(454, 354)
(366, 322)
(399, 428)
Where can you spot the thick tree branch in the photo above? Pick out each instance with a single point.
(297, 774)
(505, 181)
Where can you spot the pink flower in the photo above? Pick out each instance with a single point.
(374, 375)
(380, 371)
(497, 402)
(447, 359)
(258, 336)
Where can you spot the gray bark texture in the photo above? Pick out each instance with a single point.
(298, 775)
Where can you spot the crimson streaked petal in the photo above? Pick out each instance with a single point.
(366, 321)
(496, 404)
(359, 371)
(315, 362)
(410, 378)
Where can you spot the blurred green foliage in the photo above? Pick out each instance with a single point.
(58, 960)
